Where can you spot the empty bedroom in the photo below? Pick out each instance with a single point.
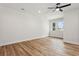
(39, 29)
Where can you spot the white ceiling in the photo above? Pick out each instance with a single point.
(29, 7)
(35, 7)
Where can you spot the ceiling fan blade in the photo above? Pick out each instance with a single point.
(58, 4)
(61, 10)
(51, 7)
(64, 6)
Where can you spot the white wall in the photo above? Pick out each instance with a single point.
(71, 32)
(16, 26)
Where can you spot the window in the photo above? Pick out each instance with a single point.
(60, 24)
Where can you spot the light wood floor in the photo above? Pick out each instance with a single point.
(40, 47)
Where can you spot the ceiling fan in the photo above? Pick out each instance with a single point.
(59, 7)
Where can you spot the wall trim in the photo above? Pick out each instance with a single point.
(71, 42)
(56, 37)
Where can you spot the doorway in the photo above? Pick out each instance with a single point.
(56, 27)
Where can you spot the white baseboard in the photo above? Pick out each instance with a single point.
(28, 39)
(71, 42)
